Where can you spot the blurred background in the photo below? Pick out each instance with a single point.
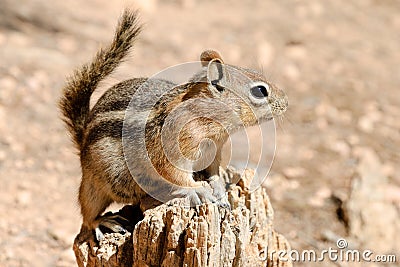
(337, 164)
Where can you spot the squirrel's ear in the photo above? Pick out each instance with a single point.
(215, 73)
(209, 55)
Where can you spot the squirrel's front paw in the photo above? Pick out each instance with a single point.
(203, 193)
(219, 191)
(197, 195)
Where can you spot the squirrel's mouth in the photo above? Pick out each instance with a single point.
(266, 118)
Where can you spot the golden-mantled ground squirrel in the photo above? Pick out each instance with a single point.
(219, 99)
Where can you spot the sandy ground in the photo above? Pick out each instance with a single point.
(336, 170)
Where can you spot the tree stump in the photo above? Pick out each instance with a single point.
(171, 234)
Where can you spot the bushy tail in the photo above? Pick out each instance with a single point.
(74, 103)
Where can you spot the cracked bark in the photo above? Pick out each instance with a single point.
(172, 235)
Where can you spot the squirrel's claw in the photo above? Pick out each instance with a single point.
(99, 234)
(206, 193)
(219, 191)
(224, 203)
(198, 195)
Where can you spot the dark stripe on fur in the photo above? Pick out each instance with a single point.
(111, 128)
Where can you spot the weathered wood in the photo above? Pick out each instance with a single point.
(172, 235)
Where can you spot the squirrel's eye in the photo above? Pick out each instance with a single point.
(259, 91)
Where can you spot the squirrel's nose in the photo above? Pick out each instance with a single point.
(280, 105)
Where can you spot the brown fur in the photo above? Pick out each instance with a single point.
(98, 132)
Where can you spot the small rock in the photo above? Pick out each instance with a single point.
(317, 9)
(293, 172)
(340, 147)
(67, 44)
(307, 153)
(320, 196)
(24, 198)
(372, 116)
(321, 123)
(3, 154)
(353, 139)
(366, 124)
(7, 83)
(388, 169)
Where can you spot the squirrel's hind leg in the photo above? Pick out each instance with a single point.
(93, 202)
(115, 223)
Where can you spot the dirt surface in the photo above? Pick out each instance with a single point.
(339, 142)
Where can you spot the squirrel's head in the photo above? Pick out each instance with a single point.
(244, 91)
